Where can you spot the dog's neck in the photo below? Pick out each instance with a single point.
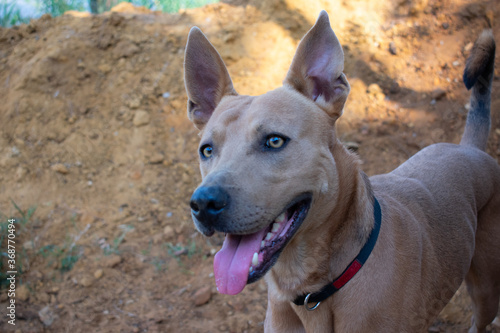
(312, 261)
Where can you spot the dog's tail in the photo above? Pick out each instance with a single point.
(478, 75)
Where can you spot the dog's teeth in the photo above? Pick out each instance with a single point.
(251, 269)
(262, 244)
(280, 218)
(276, 227)
(269, 236)
(255, 259)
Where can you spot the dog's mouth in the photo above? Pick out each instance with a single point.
(246, 258)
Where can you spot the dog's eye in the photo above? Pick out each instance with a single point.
(275, 141)
(206, 151)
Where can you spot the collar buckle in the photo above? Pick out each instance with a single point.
(306, 306)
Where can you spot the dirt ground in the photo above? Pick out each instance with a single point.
(94, 134)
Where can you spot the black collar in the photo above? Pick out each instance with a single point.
(350, 271)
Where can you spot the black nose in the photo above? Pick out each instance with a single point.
(207, 204)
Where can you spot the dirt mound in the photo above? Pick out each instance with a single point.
(94, 134)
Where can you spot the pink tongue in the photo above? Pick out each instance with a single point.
(232, 262)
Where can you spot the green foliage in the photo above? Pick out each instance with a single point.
(10, 14)
(118, 240)
(65, 256)
(19, 225)
(179, 249)
(168, 6)
(173, 6)
(59, 7)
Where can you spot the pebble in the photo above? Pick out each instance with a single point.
(98, 273)
(86, 281)
(392, 48)
(28, 245)
(156, 158)
(468, 47)
(46, 316)
(22, 293)
(375, 91)
(438, 94)
(60, 168)
(169, 232)
(202, 296)
(141, 118)
(112, 260)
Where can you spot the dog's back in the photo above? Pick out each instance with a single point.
(468, 229)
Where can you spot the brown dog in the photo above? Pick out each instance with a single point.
(294, 203)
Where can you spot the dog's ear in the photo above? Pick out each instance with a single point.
(205, 76)
(317, 68)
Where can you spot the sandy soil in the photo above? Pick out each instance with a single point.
(94, 134)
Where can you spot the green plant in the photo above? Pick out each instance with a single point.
(66, 257)
(118, 240)
(158, 264)
(59, 7)
(10, 14)
(173, 6)
(177, 250)
(69, 253)
(18, 225)
(25, 216)
(169, 6)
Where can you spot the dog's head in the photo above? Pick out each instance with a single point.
(266, 161)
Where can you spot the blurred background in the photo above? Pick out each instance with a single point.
(98, 159)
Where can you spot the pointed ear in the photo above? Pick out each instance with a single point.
(205, 76)
(317, 68)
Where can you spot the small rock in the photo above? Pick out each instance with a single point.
(46, 316)
(392, 48)
(20, 173)
(456, 63)
(141, 118)
(104, 68)
(169, 232)
(54, 290)
(86, 281)
(445, 25)
(156, 158)
(22, 293)
(375, 91)
(468, 47)
(98, 274)
(136, 175)
(112, 260)
(125, 49)
(202, 296)
(28, 245)
(438, 94)
(59, 167)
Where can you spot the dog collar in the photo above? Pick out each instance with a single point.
(351, 269)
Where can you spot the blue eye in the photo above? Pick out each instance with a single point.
(206, 151)
(275, 141)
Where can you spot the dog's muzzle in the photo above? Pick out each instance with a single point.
(207, 204)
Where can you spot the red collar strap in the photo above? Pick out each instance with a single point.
(351, 269)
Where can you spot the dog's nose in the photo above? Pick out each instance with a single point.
(208, 202)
